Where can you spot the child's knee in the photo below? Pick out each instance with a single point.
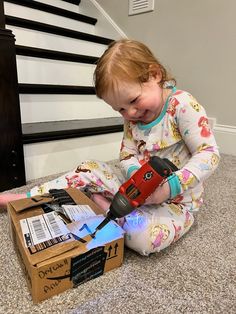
(148, 237)
(147, 234)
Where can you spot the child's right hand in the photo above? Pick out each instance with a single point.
(8, 197)
(160, 195)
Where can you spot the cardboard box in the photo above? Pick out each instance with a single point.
(67, 260)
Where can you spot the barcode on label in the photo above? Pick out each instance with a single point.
(39, 230)
(53, 224)
(42, 228)
(46, 244)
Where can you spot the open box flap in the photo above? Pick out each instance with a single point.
(26, 203)
(37, 200)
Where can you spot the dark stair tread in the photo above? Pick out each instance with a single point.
(77, 2)
(54, 55)
(29, 24)
(55, 89)
(54, 10)
(56, 130)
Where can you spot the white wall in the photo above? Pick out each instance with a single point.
(57, 156)
(196, 40)
(46, 158)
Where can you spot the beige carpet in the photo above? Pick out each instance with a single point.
(196, 275)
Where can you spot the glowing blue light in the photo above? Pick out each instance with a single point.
(108, 233)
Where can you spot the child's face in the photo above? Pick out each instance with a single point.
(138, 102)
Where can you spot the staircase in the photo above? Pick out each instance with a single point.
(61, 119)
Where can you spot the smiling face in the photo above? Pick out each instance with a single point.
(138, 102)
(130, 79)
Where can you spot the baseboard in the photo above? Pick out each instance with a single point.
(225, 137)
(109, 19)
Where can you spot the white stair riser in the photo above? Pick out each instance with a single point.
(42, 159)
(32, 38)
(42, 108)
(47, 18)
(45, 71)
(62, 4)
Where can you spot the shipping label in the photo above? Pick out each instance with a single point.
(42, 231)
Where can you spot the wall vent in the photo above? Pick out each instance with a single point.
(140, 6)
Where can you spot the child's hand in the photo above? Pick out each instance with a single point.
(101, 201)
(8, 197)
(160, 195)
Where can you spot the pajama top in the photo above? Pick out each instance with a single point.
(182, 134)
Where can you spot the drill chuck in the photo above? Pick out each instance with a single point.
(120, 206)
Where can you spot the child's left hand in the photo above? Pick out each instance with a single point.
(160, 195)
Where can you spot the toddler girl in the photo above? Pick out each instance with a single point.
(159, 120)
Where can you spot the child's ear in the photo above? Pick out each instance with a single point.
(155, 72)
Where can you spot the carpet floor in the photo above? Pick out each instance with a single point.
(195, 275)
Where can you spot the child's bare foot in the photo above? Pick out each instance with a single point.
(101, 201)
(8, 197)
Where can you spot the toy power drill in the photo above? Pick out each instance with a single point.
(134, 192)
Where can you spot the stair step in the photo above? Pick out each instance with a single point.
(55, 89)
(47, 28)
(54, 55)
(77, 2)
(54, 10)
(60, 130)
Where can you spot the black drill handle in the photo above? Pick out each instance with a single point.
(164, 167)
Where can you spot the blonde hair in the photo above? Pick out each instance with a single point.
(126, 60)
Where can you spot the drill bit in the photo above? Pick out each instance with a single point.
(100, 226)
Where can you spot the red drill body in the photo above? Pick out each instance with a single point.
(141, 185)
(134, 192)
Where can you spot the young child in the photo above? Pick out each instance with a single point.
(159, 120)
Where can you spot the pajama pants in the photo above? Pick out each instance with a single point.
(149, 228)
